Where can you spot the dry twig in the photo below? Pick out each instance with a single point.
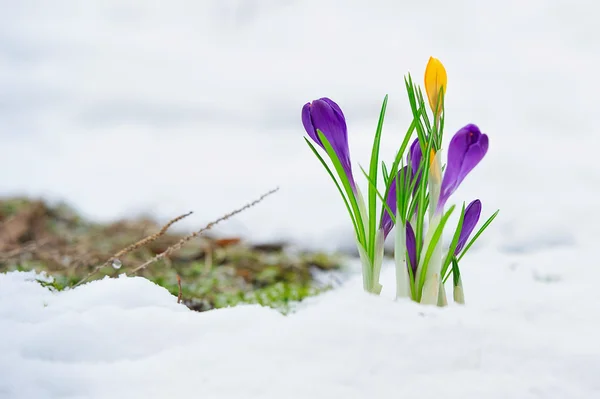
(195, 234)
(179, 285)
(133, 247)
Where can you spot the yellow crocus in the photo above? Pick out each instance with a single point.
(435, 83)
(435, 172)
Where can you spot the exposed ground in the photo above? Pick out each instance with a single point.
(214, 271)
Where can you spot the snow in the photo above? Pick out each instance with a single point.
(526, 332)
(123, 107)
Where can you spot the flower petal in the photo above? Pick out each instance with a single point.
(415, 156)
(411, 247)
(308, 125)
(474, 155)
(436, 81)
(472, 214)
(391, 201)
(467, 148)
(325, 115)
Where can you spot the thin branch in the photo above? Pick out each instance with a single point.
(179, 285)
(195, 234)
(133, 247)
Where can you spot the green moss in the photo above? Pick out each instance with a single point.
(213, 275)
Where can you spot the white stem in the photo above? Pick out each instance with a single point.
(434, 268)
(435, 183)
(432, 275)
(402, 277)
(442, 299)
(431, 291)
(378, 261)
(363, 209)
(459, 294)
(366, 267)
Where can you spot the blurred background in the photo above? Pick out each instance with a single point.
(122, 108)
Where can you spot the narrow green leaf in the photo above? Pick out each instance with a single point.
(346, 184)
(372, 204)
(386, 175)
(476, 236)
(314, 150)
(381, 198)
(400, 155)
(434, 240)
(423, 184)
(455, 271)
(454, 242)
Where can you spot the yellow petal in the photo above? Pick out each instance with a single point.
(435, 81)
(435, 168)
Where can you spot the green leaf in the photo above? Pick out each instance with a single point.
(400, 155)
(421, 196)
(381, 198)
(421, 102)
(476, 236)
(314, 150)
(455, 271)
(418, 110)
(372, 204)
(386, 175)
(346, 184)
(454, 242)
(434, 240)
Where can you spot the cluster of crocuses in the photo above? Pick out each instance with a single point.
(417, 190)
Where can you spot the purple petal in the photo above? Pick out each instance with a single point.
(386, 221)
(411, 247)
(326, 115)
(472, 213)
(331, 123)
(474, 155)
(415, 156)
(308, 125)
(415, 161)
(333, 105)
(467, 148)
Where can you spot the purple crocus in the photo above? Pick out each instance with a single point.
(411, 247)
(415, 161)
(415, 155)
(325, 115)
(467, 148)
(386, 220)
(472, 213)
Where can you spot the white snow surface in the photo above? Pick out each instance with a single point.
(122, 107)
(529, 330)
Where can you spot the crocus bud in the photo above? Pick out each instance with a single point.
(435, 84)
(325, 115)
(386, 222)
(467, 148)
(472, 213)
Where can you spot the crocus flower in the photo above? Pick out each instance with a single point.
(435, 84)
(415, 155)
(386, 223)
(467, 148)
(411, 247)
(325, 115)
(415, 161)
(472, 213)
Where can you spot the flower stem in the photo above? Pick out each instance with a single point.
(402, 278)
